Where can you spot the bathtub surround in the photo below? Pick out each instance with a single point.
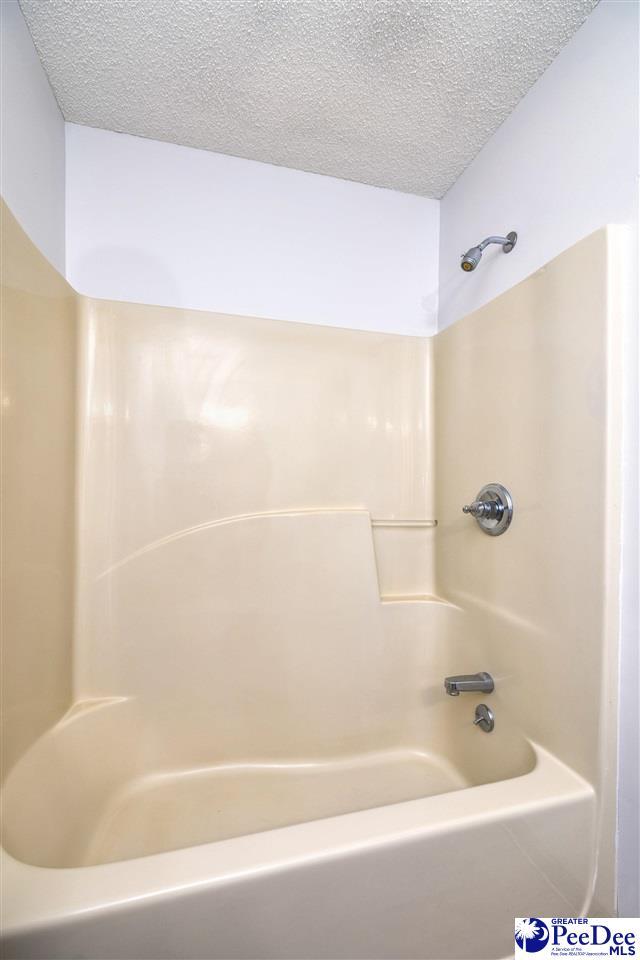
(190, 420)
(39, 359)
(158, 223)
(564, 163)
(542, 600)
(262, 596)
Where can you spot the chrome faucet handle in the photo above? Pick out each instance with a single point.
(484, 508)
(492, 508)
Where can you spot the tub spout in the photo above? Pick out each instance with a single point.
(469, 683)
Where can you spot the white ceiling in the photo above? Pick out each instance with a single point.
(397, 93)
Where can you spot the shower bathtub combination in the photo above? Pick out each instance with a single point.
(244, 746)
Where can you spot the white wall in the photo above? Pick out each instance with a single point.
(32, 172)
(564, 163)
(153, 222)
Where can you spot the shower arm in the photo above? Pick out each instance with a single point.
(503, 241)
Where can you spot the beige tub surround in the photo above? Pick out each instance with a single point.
(38, 340)
(273, 577)
(189, 418)
(543, 598)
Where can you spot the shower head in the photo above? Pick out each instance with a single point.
(472, 257)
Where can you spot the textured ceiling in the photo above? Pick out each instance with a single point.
(397, 93)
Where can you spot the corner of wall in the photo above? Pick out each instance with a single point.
(33, 142)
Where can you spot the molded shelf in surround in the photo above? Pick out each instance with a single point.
(414, 598)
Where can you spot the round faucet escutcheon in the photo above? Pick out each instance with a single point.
(492, 508)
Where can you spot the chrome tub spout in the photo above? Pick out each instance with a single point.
(469, 683)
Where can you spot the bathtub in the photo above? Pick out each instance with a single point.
(260, 759)
(339, 805)
(316, 798)
(400, 852)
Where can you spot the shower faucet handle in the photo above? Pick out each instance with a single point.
(492, 508)
(484, 508)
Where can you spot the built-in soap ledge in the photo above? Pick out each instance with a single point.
(413, 598)
(403, 523)
(404, 551)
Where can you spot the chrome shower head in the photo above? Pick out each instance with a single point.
(472, 257)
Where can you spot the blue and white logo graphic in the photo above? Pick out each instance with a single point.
(531, 934)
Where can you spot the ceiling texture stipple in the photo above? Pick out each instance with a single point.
(395, 93)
